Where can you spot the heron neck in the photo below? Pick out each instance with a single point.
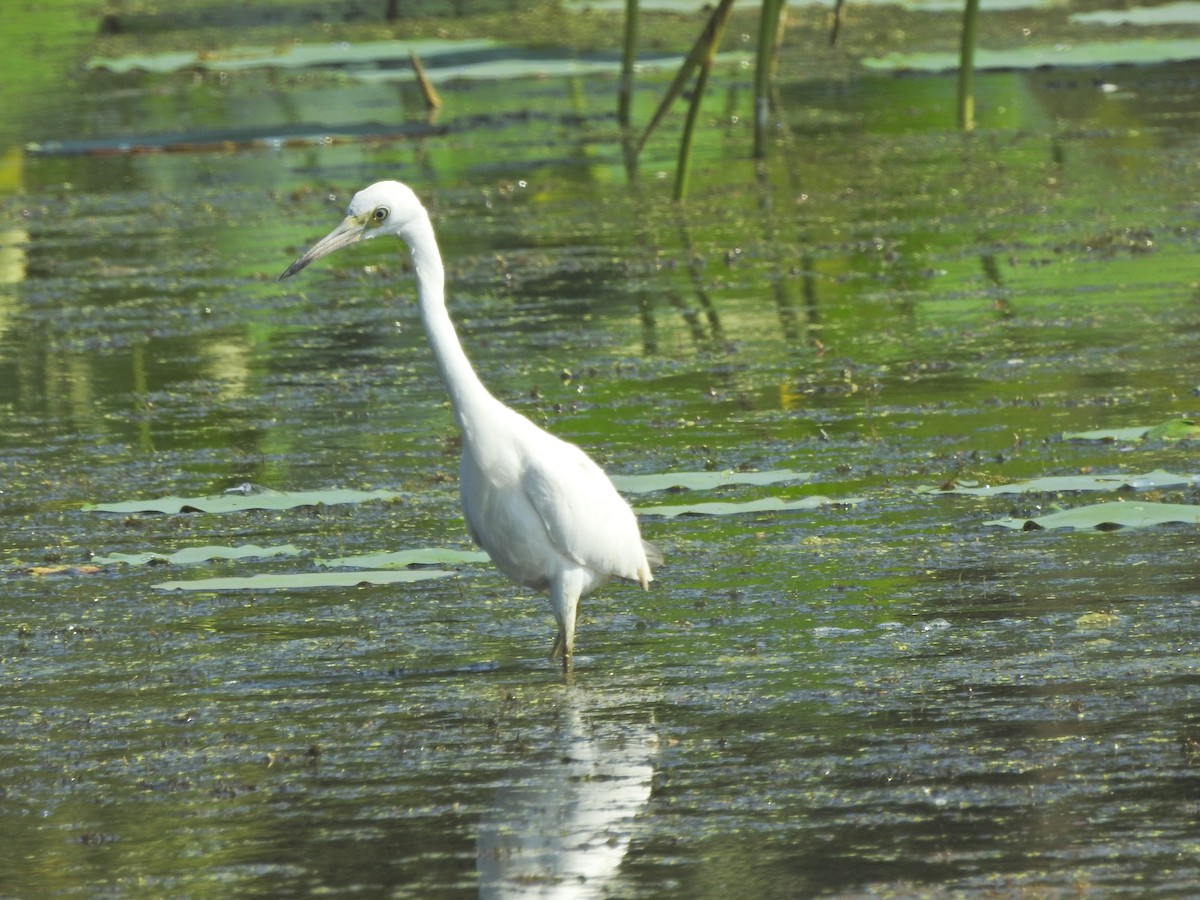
(466, 391)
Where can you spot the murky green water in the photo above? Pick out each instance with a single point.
(885, 696)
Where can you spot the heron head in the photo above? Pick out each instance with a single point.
(385, 207)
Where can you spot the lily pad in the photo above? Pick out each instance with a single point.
(1116, 435)
(1171, 430)
(295, 56)
(388, 61)
(238, 501)
(763, 504)
(1060, 483)
(192, 555)
(702, 481)
(297, 580)
(261, 136)
(1084, 53)
(1174, 430)
(1186, 13)
(1108, 517)
(404, 559)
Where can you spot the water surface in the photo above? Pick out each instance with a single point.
(885, 696)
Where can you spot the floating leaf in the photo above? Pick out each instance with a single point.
(1147, 51)
(297, 56)
(296, 580)
(193, 555)
(764, 504)
(388, 61)
(1167, 14)
(1174, 430)
(1158, 479)
(261, 136)
(1108, 517)
(403, 559)
(702, 481)
(238, 501)
(1119, 435)
(1171, 430)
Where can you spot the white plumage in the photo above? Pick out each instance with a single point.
(543, 510)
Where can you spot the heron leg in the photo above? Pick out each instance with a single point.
(562, 646)
(560, 643)
(564, 601)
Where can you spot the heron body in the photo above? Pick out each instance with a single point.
(546, 514)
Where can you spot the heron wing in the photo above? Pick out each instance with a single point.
(584, 516)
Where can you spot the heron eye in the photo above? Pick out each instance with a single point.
(381, 213)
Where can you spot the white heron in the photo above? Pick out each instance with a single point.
(546, 514)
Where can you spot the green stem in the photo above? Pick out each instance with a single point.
(708, 55)
(835, 29)
(966, 67)
(689, 130)
(706, 45)
(768, 27)
(628, 58)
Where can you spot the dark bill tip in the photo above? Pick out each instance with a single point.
(348, 232)
(295, 267)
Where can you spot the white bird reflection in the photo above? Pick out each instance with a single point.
(561, 829)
